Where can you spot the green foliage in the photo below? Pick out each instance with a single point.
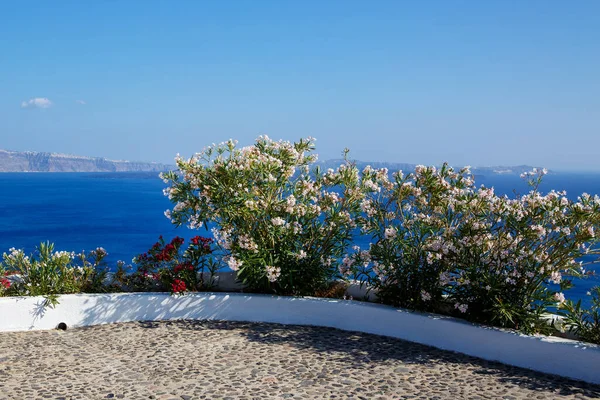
(281, 227)
(585, 323)
(440, 243)
(50, 273)
(171, 267)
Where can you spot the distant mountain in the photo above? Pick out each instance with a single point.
(504, 170)
(14, 161)
(391, 166)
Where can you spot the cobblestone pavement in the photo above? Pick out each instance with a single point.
(231, 360)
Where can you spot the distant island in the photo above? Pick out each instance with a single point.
(28, 161)
(393, 166)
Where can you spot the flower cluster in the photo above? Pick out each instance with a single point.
(4, 283)
(275, 217)
(161, 252)
(168, 266)
(178, 286)
(202, 243)
(50, 273)
(438, 240)
(585, 323)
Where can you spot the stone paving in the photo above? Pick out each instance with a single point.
(187, 360)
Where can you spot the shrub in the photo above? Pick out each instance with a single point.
(5, 283)
(518, 255)
(279, 226)
(50, 273)
(585, 323)
(168, 266)
(439, 242)
(406, 218)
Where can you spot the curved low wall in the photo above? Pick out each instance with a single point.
(545, 354)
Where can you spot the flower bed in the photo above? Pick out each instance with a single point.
(435, 237)
(437, 242)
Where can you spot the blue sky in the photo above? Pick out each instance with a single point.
(468, 82)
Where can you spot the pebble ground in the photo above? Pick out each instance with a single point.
(186, 360)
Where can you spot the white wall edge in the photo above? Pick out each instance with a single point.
(552, 355)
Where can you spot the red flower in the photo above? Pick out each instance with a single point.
(183, 267)
(202, 242)
(5, 283)
(177, 241)
(178, 286)
(200, 239)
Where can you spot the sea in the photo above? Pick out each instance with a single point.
(124, 212)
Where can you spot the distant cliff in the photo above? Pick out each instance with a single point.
(13, 161)
(393, 166)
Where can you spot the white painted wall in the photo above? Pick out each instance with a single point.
(545, 354)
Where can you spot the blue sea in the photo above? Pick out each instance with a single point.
(123, 212)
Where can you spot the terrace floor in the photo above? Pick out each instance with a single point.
(232, 360)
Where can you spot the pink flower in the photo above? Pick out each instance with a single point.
(390, 232)
(461, 307)
(233, 263)
(273, 273)
(555, 277)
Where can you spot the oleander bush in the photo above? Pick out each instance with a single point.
(585, 323)
(404, 217)
(279, 223)
(50, 273)
(173, 267)
(523, 255)
(438, 242)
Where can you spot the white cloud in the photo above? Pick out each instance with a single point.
(37, 102)
(83, 103)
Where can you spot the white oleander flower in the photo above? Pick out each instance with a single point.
(278, 221)
(234, 263)
(556, 277)
(559, 297)
(390, 232)
(273, 273)
(461, 307)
